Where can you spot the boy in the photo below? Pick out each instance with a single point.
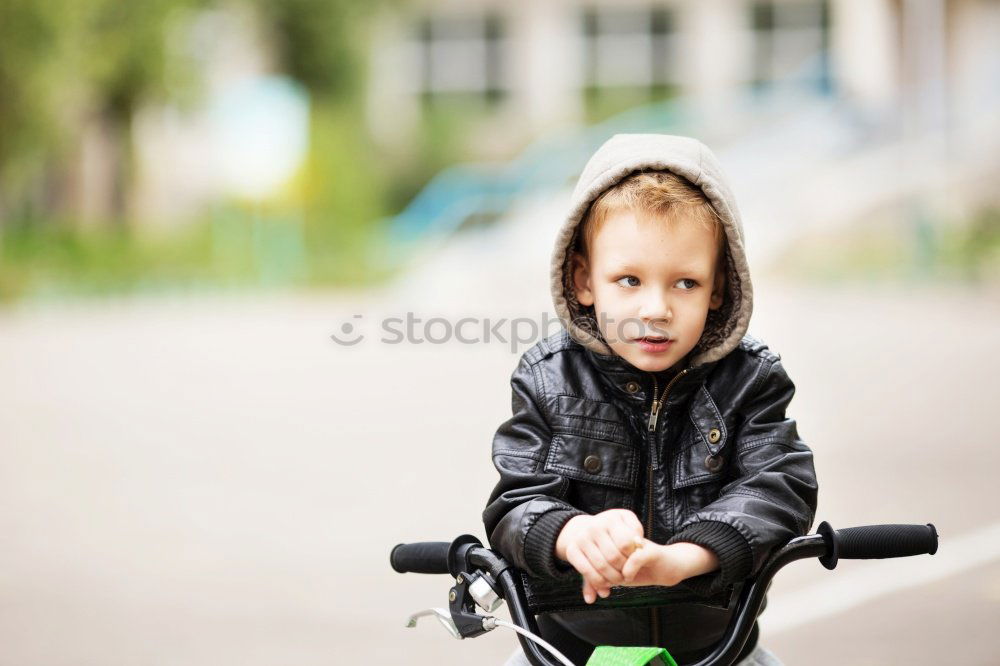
(648, 451)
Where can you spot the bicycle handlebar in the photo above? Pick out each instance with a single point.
(427, 557)
(877, 542)
(861, 543)
(829, 545)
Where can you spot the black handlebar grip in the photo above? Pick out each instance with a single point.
(427, 557)
(880, 541)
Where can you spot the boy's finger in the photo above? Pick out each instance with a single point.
(600, 563)
(632, 567)
(631, 522)
(590, 593)
(636, 562)
(613, 554)
(625, 539)
(582, 563)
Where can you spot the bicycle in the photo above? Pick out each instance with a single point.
(484, 579)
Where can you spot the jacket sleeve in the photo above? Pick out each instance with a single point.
(772, 500)
(527, 509)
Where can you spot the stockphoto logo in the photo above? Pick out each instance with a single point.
(349, 333)
(514, 332)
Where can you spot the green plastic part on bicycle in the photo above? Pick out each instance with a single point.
(630, 656)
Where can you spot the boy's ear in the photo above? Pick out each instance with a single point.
(718, 289)
(581, 280)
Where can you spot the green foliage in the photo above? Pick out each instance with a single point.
(342, 189)
(445, 122)
(955, 250)
(601, 103)
(63, 63)
(121, 48)
(974, 251)
(57, 261)
(232, 249)
(319, 232)
(30, 32)
(318, 41)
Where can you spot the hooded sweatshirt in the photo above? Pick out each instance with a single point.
(571, 392)
(620, 156)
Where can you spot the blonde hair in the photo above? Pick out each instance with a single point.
(660, 193)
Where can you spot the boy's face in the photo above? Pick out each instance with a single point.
(648, 278)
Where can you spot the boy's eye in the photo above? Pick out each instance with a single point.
(692, 285)
(628, 281)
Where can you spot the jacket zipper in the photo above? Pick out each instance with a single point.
(654, 415)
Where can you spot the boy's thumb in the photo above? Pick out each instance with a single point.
(635, 562)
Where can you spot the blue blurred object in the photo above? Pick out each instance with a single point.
(464, 191)
(551, 162)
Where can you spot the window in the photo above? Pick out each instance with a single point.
(462, 54)
(628, 57)
(791, 43)
(628, 47)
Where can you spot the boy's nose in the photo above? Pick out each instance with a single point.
(656, 307)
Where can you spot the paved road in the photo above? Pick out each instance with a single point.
(213, 481)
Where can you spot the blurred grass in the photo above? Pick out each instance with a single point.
(321, 230)
(601, 103)
(238, 249)
(959, 251)
(229, 251)
(324, 229)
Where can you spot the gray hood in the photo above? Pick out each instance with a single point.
(620, 156)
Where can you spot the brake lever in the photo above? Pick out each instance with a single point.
(442, 616)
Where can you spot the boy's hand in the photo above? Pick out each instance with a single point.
(598, 547)
(653, 564)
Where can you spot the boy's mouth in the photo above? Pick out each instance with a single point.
(654, 344)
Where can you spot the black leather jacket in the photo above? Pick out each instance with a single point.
(720, 465)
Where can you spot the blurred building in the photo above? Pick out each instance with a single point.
(828, 114)
(523, 67)
(455, 81)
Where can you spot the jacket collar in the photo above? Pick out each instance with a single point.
(619, 373)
